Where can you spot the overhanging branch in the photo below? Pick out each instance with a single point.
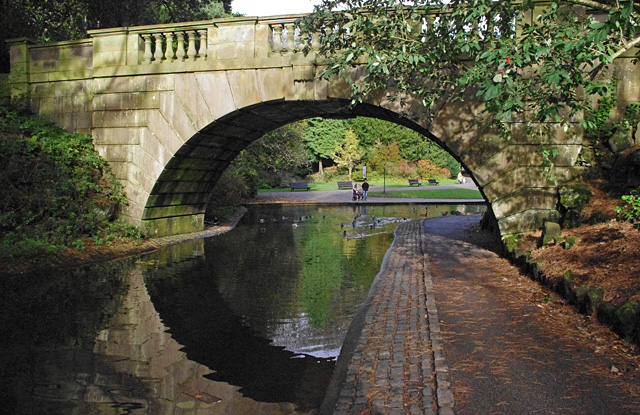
(593, 4)
(616, 55)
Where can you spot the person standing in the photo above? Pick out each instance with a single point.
(365, 189)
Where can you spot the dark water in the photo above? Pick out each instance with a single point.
(249, 322)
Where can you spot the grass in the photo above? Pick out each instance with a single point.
(432, 194)
(333, 185)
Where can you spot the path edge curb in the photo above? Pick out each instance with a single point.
(444, 391)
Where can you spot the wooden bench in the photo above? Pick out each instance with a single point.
(414, 182)
(345, 185)
(433, 181)
(299, 185)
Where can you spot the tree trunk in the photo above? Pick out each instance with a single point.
(320, 170)
(350, 170)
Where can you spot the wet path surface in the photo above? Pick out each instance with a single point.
(492, 342)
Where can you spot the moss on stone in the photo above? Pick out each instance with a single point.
(574, 196)
(626, 315)
(511, 242)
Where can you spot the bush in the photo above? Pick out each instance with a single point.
(407, 170)
(56, 189)
(231, 190)
(629, 210)
(428, 170)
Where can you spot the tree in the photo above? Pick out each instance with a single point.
(550, 65)
(413, 145)
(280, 149)
(384, 157)
(321, 137)
(349, 152)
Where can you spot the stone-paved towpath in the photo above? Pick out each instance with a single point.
(452, 328)
(393, 365)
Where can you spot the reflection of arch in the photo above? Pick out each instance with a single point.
(238, 354)
(138, 344)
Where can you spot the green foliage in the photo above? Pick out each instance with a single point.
(278, 150)
(321, 137)
(629, 209)
(385, 157)
(56, 189)
(348, 153)
(413, 145)
(568, 242)
(238, 182)
(596, 120)
(549, 66)
(511, 242)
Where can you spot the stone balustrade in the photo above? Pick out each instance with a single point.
(287, 37)
(175, 45)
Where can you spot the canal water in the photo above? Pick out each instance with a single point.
(248, 322)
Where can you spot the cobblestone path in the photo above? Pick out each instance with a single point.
(397, 366)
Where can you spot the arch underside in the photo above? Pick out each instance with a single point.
(179, 198)
(508, 173)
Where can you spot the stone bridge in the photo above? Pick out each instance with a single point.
(169, 120)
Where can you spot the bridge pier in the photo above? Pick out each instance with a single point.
(176, 225)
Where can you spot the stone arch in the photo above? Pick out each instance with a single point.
(179, 197)
(202, 121)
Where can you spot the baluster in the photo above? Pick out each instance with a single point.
(417, 26)
(159, 54)
(291, 32)
(180, 53)
(148, 54)
(315, 41)
(277, 39)
(204, 38)
(169, 52)
(191, 52)
(298, 40)
(430, 22)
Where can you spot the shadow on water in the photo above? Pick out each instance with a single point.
(49, 324)
(215, 336)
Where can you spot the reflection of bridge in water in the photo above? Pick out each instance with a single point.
(138, 366)
(170, 119)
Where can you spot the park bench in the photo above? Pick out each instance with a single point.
(414, 182)
(299, 185)
(433, 181)
(345, 185)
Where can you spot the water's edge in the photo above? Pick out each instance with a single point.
(351, 340)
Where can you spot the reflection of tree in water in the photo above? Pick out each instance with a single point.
(336, 272)
(190, 303)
